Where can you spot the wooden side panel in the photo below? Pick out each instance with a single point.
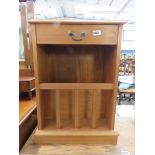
(115, 59)
(40, 106)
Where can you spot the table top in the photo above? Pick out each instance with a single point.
(76, 21)
(26, 78)
(130, 90)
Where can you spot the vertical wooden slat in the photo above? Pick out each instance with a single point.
(94, 101)
(76, 109)
(58, 122)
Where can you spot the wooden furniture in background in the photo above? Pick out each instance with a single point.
(122, 95)
(27, 84)
(76, 69)
(27, 124)
(127, 66)
(26, 81)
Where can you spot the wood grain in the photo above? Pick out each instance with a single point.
(125, 145)
(73, 136)
(106, 86)
(58, 34)
(76, 83)
(95, 99)
(40, 114)
(80, 64)
(76, 108)
(22, 9)
(70, 21)
(58, 112)
(116, 71)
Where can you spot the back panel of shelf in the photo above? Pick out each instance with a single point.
(76, 63)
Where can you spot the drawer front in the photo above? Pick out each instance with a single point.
(79, 34)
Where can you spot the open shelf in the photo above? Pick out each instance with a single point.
(76, 109)
(100, 86)
(76, 63)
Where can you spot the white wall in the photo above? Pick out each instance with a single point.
(128, 37)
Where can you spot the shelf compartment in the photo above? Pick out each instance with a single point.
(100, 86)
(77, 108)
(76, 64)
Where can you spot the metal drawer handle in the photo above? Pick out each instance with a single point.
(74, 37)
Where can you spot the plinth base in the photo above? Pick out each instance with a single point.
(75, 136)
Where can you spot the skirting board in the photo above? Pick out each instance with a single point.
(75, 137)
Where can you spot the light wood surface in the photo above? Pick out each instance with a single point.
(76, 137)
(107, 86)
(76, 21)
(76, 63)
(26, 72)
(58, 112)
(125, 127)
(130, 90)
(95, 99)
(25, 106)
(116, 72)
(76, 109)
(35, 61)
(27, 84)
(58, 34)
(82, 78)
(26, 78)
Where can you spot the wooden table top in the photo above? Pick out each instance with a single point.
(26, 78)
(130, 90)
(76, 21)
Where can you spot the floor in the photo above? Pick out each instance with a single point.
(124, 125)
(25, 105)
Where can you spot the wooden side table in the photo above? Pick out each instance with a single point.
(76, 68)
(27, 84)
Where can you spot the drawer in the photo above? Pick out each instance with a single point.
(24, 86)
(76, 34)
